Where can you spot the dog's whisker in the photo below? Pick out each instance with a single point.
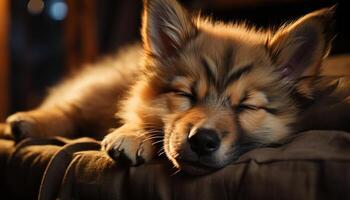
(161, 153)
(157, 142)
(149, 134)
(152, 138)
(176, 172)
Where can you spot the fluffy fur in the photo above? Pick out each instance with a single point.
(206, 90)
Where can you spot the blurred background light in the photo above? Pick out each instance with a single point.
(35, 7)
(58, 10)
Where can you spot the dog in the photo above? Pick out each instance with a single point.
(201, 91)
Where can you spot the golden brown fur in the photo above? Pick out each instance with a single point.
(86, 101)
(194, 76)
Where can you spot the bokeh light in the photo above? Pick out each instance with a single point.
(35, 7)
(58, 10)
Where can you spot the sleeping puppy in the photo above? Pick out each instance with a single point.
(205, 90)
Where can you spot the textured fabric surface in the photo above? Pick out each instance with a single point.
(6, 146)
(26, 165)
(312, 165)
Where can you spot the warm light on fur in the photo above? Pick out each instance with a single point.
(194, 76)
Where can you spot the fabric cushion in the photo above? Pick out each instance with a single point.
(312, 165)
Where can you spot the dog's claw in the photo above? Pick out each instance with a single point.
(139, 160)
(125, 159)
(113, 153)
(16, 129)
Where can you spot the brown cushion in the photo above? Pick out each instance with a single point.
(57, 166)
(312, 165)
(25, 166)
(6, 147)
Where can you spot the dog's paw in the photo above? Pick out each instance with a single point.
(129, 148)
(22, 125)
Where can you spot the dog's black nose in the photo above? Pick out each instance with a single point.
(204, 141)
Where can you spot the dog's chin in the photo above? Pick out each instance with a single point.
(195, 168)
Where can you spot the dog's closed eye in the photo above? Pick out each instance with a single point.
(242, 107)
(252, 101)
(185, 94)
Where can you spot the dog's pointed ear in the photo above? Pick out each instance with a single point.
(299, 48)
(166, 27)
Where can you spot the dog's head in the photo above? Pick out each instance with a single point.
(226, 88)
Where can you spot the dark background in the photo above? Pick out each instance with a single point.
(43, 47)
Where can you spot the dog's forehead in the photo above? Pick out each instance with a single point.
(225, 52)
(214, 59)
(214, 46)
